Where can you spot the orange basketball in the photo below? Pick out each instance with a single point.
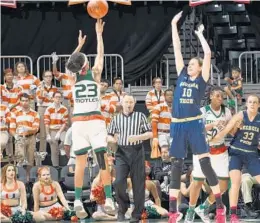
(97, 9)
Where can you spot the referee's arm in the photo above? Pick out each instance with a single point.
(146, 129)
(111, 131)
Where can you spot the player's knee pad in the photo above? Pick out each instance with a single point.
(176, 171)
(208, 171)
(101, 159)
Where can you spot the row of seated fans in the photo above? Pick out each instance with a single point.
(66, 179)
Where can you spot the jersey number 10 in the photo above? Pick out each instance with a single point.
(86, 91)
(187, 92)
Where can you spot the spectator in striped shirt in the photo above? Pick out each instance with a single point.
(161, 120)
(27, 81)
(132, 128)
(56, 120)
(10, 92)
(5, 116)
(107, 109)
(117, 95)
(44, 96)
(156, 95)
(10, 96)
(23, 126)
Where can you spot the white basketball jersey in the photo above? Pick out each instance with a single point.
(210, 116)
(86, 96)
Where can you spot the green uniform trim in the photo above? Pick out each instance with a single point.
(85, 77)
(82, 151)
(88, 113)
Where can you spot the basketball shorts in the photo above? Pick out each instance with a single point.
(219, 164)
(87, 135)
(188, 134)
(250, 160)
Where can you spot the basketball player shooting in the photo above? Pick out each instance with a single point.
(187, 128)
(89, 127)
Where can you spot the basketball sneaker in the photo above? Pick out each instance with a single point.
(109, 206)
(174, 217)
(221, 215)
(234, 219)
(202, 212)
(78, 206)
(190, 215)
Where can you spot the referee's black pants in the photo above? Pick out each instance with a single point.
(130, 159)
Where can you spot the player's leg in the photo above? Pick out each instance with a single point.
(81, 147)
(198, 144)
(198, 180)
(235, 166)
(97, 138)
(178, 153)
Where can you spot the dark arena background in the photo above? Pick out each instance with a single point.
(138, 47)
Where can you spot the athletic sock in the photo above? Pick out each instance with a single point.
(192, 207)
(219, 203)
(233, 210)
(78, 191)
(206, 204)
(173, 204)
(108, 191)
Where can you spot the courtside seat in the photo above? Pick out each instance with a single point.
(241, 20)
(67, 182)
(234, 8)
(212, 8)
(221, 20)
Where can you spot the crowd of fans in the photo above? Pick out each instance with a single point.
(36, 110)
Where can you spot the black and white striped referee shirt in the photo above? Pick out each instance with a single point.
(134, 124)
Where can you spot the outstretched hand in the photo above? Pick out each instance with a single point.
(100, 26)
(176, 18)
(81, 39)
(199, 30)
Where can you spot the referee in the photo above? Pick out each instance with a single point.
(131, 128)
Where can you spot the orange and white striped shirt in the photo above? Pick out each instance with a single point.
(10, 97)
(65, 80)
(47, 99)
(107, 110)
(5, 117)
(23, 122)
(27, 82)
(154, 98)
(56, 117)
(161, 114)
(115, 98)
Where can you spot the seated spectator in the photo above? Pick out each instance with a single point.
(247, 183)
(13, 197)
(150, 189)
(46, 193)
(234, 87)
(162, 167)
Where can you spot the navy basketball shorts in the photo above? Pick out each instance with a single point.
(190, 134)
(249, 159)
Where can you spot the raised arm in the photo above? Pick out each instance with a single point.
(99, 61)
(207, 53)
(232, 123)
(177, 44)
(81, 42)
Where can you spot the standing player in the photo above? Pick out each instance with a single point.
(89, 127)
(243, 149)
(187, 128)
(216, 116)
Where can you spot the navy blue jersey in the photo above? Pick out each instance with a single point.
(246, 138)
(188, 95)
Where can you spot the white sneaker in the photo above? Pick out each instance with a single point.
(109, 206)
(200, 211)
(78, 206)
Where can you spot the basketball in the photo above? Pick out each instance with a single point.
(97, 9)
